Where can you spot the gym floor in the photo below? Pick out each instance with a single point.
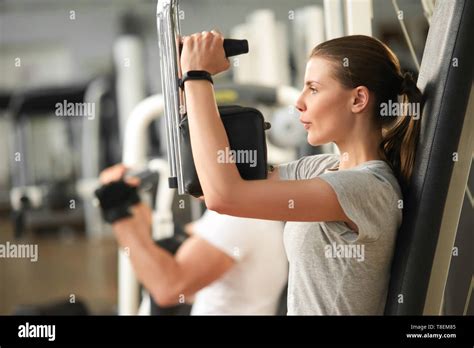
(68, 265)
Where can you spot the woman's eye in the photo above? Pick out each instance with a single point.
(313, 90)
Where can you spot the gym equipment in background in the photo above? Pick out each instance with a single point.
(308, 27)
(129, 52)
(356, 11)
(114, 98)
(100, 146)
(307, 31)
(135, 158)
(256, 68)
(286, 131)
(333, 18)
(5, 153)
(43, 168)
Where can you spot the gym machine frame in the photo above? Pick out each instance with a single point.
(169, 39)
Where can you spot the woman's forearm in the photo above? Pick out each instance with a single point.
(208, 137)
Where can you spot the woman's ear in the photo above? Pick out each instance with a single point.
(360, 99)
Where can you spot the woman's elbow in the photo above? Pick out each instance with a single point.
(164, 299)
(219, 203)
(215, 204)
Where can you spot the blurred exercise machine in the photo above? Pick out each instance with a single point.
(42, 182)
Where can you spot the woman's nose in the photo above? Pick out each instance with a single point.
(300, 104)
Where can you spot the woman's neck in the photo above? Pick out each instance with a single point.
(357, 150)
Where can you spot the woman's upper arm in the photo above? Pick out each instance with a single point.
(284, 200)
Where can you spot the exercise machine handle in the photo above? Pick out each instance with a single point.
(232, 47)
(147, 178)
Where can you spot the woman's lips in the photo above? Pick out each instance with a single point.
(305, 124)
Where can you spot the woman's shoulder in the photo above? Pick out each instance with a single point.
(382, 172)
(307, 167)
(372, 177)
(369, 194)
(317, 164)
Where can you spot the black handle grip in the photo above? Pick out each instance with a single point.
(232, 47)
(147, 178)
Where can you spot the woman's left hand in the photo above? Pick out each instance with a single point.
(204, 51)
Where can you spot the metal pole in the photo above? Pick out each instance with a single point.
(168, 39)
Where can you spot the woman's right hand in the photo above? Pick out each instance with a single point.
(204, 51)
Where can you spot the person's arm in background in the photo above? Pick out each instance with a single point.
(195, 265)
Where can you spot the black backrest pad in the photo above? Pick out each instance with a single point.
(245, 128)
(445, 79)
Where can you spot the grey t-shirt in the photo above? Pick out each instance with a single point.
(332, 269)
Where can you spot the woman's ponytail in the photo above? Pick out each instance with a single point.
(401, 138)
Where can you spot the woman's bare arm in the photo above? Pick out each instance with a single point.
(225, 191)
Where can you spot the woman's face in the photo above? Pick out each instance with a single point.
(324, 104)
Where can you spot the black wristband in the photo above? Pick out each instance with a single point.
(195, 75)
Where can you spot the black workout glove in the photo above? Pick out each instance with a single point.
(115, 199)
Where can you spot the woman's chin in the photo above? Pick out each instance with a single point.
(315, 141)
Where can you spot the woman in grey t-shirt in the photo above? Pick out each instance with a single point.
(342, 211)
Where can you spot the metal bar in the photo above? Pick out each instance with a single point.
(168, 38)
(406, 36)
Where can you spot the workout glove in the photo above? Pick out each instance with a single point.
(115, 199)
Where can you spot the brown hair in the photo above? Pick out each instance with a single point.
(365, 61)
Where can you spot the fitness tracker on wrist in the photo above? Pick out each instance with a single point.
(195, 75)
